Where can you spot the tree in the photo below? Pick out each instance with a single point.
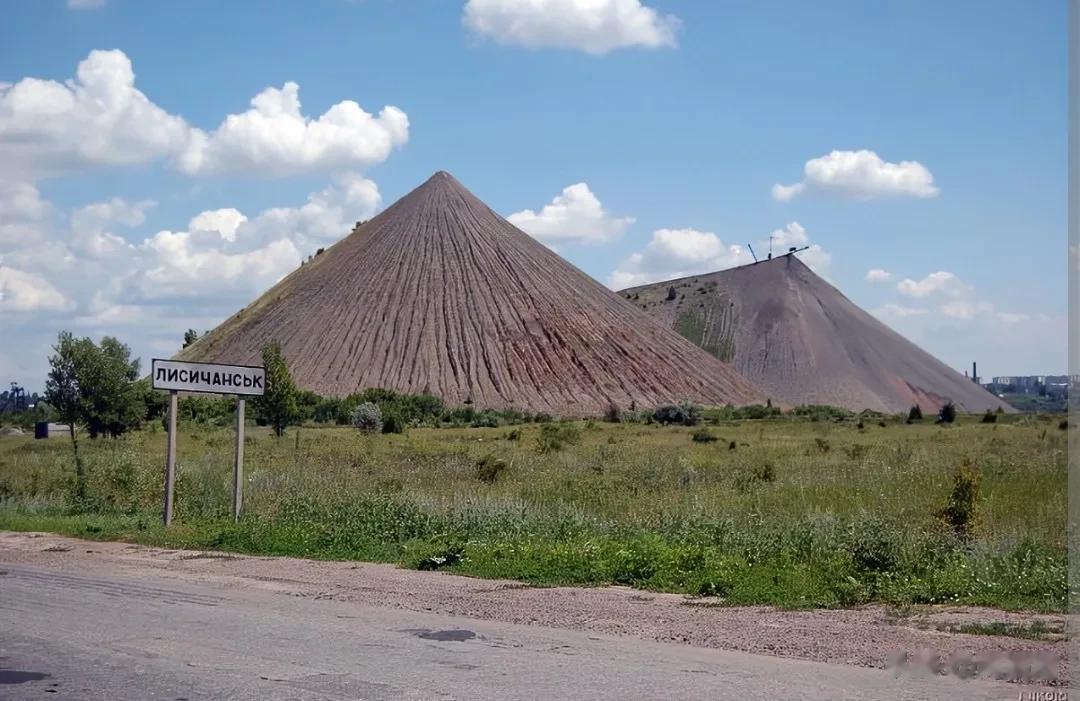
(64, 393)
(190, 336)
(114, 399)
(278, 405)
(947, 414)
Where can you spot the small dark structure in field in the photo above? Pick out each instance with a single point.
(801, 341)
(439, 294)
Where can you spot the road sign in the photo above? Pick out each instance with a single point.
(177, 376)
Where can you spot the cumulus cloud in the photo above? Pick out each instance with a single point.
(22, 211)
(146, 286)
(100, 118)
(676, 253)
(947, 299)
(182, 268)
(92, 225)
(21, 291)
(575, 214)
(897, 311)
(274, 137)
(878, 275)
(860, 175)
(941, 282)
(223, 222)
(594, 26)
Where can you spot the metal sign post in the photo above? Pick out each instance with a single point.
(176, 376)
(238, 463)
(170, 459)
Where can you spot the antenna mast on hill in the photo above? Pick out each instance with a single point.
(770, 246)
(752, 252)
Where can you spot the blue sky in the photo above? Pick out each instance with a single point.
(929, 138)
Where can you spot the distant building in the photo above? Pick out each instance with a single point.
(48, 429)
(1054, 386)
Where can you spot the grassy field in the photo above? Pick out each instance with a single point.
(784, 511)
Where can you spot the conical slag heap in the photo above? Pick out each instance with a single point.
(801, 341)
(440, 294)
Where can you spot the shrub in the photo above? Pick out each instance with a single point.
(367, 417)
(873, 544)
(489, 467)
(702, 435)
(485, 419)
(989, 417)
(671, 293)
(514, 435)
(613, 414)
(914, 414)
(392, 422)
(961, 512)
(554, 437)
(947, 414)
(685, 414)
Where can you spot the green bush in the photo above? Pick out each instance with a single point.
(392, 422)
(489, 467)
(947, 413)
(684, 414)
(555, 437)
(961, 512)
(914, 414)
(702, 435)
(989, 417)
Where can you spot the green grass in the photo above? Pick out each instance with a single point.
(785, 511)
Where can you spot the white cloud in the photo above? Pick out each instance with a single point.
(939, 283)
(675, 253)
(182, 268)
(593, 26)
(91, 225)
(860, 175)
(85, 4)
(573, 215)
(897, 311)
(223, 222)
(22, 211)
(99, 118)
(275, 138)
(89, 278)
(21, 291)
(878, 275)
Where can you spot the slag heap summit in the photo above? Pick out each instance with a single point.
(439, 294)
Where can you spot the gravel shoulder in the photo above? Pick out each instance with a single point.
(867, 636)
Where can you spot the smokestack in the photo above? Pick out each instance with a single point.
(974, 374)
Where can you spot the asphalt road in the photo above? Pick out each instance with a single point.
(67, 636)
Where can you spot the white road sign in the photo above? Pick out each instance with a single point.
(208, 377)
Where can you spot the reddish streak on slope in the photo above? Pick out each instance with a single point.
(440, 294)
(803, 342)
